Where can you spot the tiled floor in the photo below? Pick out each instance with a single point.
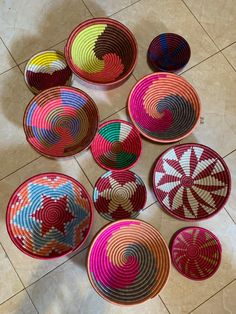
(28, 26)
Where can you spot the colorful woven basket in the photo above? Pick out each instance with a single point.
(61, 121)
(128, 262)
(119, 195)
(191, 181)
(168, 52)
(101, 51)
(117, 145)
(164, 107)
(49, 215)
(195, 252)
(47, 69)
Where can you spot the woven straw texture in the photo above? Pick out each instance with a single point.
(49, 215)
(128, 262)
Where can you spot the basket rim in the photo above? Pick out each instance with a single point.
(7, 218)
(178, 78)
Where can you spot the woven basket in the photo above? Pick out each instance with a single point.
(168, 52)
(119, 195)
(49, 215)
(61, 121)
(128, 262)
(164, 107)
(117, 145)
(195, 252)
(191, 181)
(47, 69)
(101, 51)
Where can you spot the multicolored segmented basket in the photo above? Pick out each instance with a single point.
(101, 51)
(128, 262)
(191, 181)
(168, 52)
(47, 69)
(119, 195)
(117, 145)
(195, 252)
(164, 107)
(49, 215)
(61, 121)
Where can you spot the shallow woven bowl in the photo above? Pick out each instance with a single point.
(128, 262)
(164, 107)
(168, 52)
(191, 181)
(119, 195)
(101, 51)
(61, 121)
(47, 69)
(195, 252)
(49, 215)
(117, 145)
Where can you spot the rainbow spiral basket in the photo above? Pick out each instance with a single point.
(168, 52)
(128, 262)
(164, 107)
(195, 252)
(117, 145)
(191, 181)
(49, 215)
(45, 70)
(119, 195)
(61, 121)
(101, 51)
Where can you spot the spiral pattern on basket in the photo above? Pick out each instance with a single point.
(119, 195)
(49, 215)
(61, 121)
(196, 253)
(128, 262)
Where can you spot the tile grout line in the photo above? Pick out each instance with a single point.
(83, 172)
(87, 8)
(227, 60)
(229, 214)
(8, 299)
(212, 296)
(15, 66)
(113, 114)
(124, 8)
(230, 153)
(11, 54)
(164, 304)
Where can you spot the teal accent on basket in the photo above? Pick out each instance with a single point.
(124, 159)
(111, 132)
(107, 174)
(95, 194)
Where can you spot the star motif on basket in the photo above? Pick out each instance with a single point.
(189, 177)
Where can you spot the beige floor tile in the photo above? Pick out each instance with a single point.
(148, 18)
(10, 283)
(28, 268)
(230, 54)
(231, 205)
(6, 60)
(214, 81)
(223, 302)
(181, 295)
(217, 17)
(29, 26)
(106, 7)
(19, 304)
(14, 97)
(68, 290)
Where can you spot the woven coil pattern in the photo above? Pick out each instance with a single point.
(117, 145)
(119, 195)
(47, 69)
(101, 51)
(49, 215)
(61, 121)
(128, 262)
(164, 107)
(191, 181)
(196, 253)
(168, 52)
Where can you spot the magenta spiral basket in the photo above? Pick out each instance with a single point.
(191, 181)
(164, 107)
(128, 262)
(47, 69)
(101, 51)
(195, 252)
(49, 215)
(61, 121)
(168, 52)
(119, 195)
(117, 145)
